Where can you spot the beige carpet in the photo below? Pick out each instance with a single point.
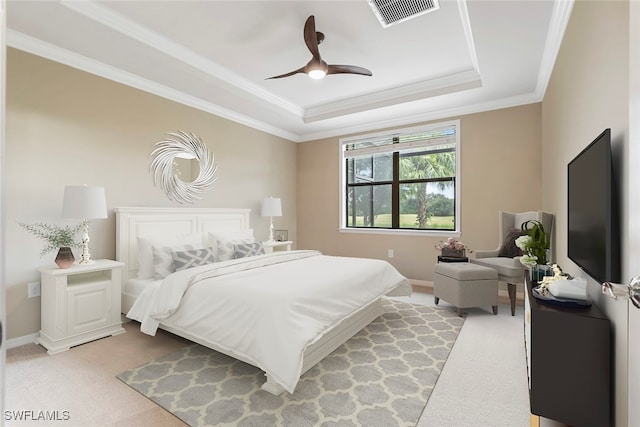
(383, 376)
(484, 382)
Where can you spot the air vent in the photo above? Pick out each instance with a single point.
(391, 12)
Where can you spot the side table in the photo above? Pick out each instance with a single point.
(274, 246)
(80, 304)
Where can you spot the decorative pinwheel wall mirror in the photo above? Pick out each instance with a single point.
(174, 163)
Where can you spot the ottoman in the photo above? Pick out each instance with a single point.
(466, 285)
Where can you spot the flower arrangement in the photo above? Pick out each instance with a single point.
(451, 245)
(56, 236)
(534, 243)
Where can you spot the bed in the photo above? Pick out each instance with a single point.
(282, 312)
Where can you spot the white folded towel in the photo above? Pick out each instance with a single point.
(573, 289)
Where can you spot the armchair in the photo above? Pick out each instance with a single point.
(510, 269)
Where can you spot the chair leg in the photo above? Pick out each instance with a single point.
(495, 309)
(512, 297)
(436, 299)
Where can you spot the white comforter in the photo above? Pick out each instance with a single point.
(266, 309)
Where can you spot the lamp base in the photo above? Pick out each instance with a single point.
(271, 229)
(85, 258)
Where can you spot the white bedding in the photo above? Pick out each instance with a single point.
(136, 286)
(266, 309)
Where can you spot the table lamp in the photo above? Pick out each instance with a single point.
(82, 201)
(271, 207)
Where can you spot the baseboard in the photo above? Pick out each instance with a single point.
(426, 286)
(23, 340)
(420, 284)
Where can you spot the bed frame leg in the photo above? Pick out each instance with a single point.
(271, 386)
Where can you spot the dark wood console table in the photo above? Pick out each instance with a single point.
(568, 362)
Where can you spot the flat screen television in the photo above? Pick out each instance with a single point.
(593, 217)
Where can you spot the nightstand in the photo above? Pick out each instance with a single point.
(270, 247)
(79, 304)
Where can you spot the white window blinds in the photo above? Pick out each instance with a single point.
(409, 139)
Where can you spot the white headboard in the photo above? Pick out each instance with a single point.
(168, 222)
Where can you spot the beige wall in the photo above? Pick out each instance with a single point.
(587, 93)
(68, 127)
(500, 162)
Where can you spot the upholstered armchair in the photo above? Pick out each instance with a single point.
(508, 266)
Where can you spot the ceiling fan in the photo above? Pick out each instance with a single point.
(317, 68)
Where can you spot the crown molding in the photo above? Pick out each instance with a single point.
(432, 87)
(468, 34)
(38, 47)
(46, 50)
(557, 27)
(515, 101)
(463, 80)
(131, 29)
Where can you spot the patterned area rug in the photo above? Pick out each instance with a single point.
(382, 376)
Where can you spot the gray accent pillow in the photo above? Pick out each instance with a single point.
(163, 261)
(226, 248)
(248, 249)
(192, 258)
(508, 248)
(177, 243)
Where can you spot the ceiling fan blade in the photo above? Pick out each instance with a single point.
(316, 68)
(310, 36)
(348, 69)
(291, 73)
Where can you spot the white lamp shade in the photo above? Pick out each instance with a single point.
(271, 206)
(82, 201)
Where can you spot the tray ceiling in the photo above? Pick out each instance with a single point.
(465, 57)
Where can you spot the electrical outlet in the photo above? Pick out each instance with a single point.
(390, 253)
(33, 289)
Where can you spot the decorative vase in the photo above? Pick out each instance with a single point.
(65, 258)
(539, 271)
(455, 253)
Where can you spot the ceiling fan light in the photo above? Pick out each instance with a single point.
(317, 74)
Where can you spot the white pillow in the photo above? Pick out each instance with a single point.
(223, 242)
(145, 253)
(212, 236)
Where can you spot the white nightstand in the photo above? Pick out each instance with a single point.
(79, 304)
(270, 247)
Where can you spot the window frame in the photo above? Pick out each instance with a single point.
(391, 134)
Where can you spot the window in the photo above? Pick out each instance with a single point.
(405, 180)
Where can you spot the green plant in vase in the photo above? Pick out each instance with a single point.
(60, 238)
(534, 243)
